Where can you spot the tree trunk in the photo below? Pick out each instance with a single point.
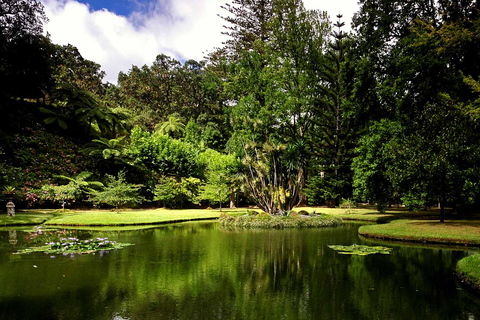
(232, 199)
(442, 210)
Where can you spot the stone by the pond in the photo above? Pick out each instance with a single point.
(10, 209)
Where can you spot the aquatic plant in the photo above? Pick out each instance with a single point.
(75, 246)
(360, 250)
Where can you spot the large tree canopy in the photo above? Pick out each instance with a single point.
(19, 18)
(290, 110)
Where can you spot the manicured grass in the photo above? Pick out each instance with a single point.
(427, 230)
(266, 221)
(468, 270)
(357, 214)
(24, 218)
(131, 217)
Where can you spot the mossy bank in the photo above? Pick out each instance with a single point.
(465, 232)
(468, 271)
(279, 222)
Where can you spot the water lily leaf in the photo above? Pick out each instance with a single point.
(76, 246)
(360, 250)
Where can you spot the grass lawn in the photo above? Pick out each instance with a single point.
(357, 214)
(468, 269)
(24, 218)
(426, 230)
(132, 217)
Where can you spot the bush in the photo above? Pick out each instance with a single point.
(118, 192)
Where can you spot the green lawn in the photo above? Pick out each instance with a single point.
(357, 214)
(24, 218)
(131, 217)
(468, 270)
(426, 230)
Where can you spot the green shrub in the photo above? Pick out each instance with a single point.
(117, 192)
(173, 193)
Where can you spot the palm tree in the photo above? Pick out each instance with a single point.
(173, 127)
(109, 149)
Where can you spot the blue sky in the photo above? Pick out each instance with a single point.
(120, 33)
(120, 7)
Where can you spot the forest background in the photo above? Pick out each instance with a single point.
(289, 111)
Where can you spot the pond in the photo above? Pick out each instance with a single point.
(201, 271)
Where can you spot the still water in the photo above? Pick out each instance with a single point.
(202, 271)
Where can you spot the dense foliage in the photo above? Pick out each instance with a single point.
(291, 110)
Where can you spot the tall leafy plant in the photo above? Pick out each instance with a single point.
(118, 192)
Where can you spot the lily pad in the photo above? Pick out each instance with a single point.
(360, 250)
(75, 246)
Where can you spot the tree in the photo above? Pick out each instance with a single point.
(73, 107)
(20, 18)
(421, 62)
(274, 87)
(333, 140)
(71, 69)
(117, 192)
(168, 88)
(165, 155)
(177, 192)
(108, 148)
(77, 189)
(111, 152)
(24, 52)
(173, 127)
(248, 22)
(440, 158)
(262, 177)
(373, 165)
(221, 173)
(215, 190)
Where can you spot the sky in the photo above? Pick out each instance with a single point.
(120, 33)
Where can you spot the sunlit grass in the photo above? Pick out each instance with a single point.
(24, 218)
(469, 271)
(360, 214)
(133, 217)
(427, 230)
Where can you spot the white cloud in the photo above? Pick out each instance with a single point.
(184, 29)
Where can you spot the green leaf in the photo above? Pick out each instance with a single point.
(46, 111)
(50, 120)
(62, 124)
(107, 153)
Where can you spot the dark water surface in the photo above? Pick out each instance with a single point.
(201, 271)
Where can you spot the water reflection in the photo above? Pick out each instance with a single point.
(200, 271)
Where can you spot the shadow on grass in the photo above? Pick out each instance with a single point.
(455, 223)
